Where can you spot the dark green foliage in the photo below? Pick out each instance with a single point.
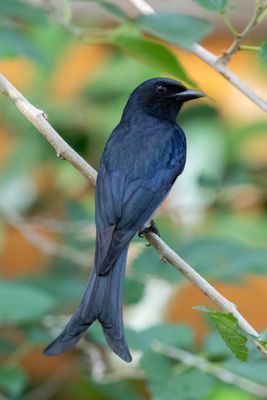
(263, 53)
(13, 43)
(167, 381)
(213, 5)
(155, 54)
(228, 260)
(170, 334)
(149, 265)
(20, 303)
(133, 291)
(15, 31)
(12, 381)
(19, 10)
(113, 9)
(179, 29)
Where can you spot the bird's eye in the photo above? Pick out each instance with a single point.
(161, 89)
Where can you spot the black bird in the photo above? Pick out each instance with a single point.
(144, 155)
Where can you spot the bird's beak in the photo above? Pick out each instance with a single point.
(188, 94)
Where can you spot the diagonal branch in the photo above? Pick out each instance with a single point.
(213, 61)
(39, 120)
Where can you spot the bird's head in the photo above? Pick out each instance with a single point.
(163, 97)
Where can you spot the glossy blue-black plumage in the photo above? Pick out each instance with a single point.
(142, 158)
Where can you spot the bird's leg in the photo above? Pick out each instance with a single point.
(149, 227)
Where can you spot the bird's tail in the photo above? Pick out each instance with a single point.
(102, 300)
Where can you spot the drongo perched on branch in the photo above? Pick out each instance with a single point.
(144, 155)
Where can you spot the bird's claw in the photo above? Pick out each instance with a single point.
(152, 227)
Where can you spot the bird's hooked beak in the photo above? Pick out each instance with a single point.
(188, 94)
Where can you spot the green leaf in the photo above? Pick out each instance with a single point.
(230, 332)
(179, 29)
(95, 334)
(214, 5)
(223, 392)
(263, 343)
(154, 54)
(133, 291)
(21, 303)
(13, 42)
(255, 369)
(15, 9)
(12, 380)
(228, 259)
(6, 346)
(113, 9)
(37, 336)
(170, 334)
(61, 285)
(168, 382)
(148, 265)
(120, 390)
(263, 53)
(158, 368)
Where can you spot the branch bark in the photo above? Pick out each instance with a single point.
(38, 119)
(213, 61)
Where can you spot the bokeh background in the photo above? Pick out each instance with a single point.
(215, 217)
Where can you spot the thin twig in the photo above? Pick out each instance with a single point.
(252, 24)
(249, 47)
(164, 250)
(229, 24)
(44, 244)
(213, 61)
(216, 370)
(78, 227)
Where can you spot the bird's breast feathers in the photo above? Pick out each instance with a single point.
(144, 149)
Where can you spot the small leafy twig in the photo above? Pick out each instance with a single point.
(201, 363)
(260, 9)
(37, 118)
(249, 47)
(229, 24)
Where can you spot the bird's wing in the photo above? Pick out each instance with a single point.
(124, 204)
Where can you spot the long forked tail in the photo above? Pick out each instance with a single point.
(102, 300)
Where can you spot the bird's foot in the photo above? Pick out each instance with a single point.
(152, 227)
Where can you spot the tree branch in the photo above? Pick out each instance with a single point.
(201, 363)
(213, 61)
(37, 118)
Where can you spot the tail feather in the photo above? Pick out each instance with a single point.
(103, 301)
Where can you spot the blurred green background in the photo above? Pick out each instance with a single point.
(215, 217)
